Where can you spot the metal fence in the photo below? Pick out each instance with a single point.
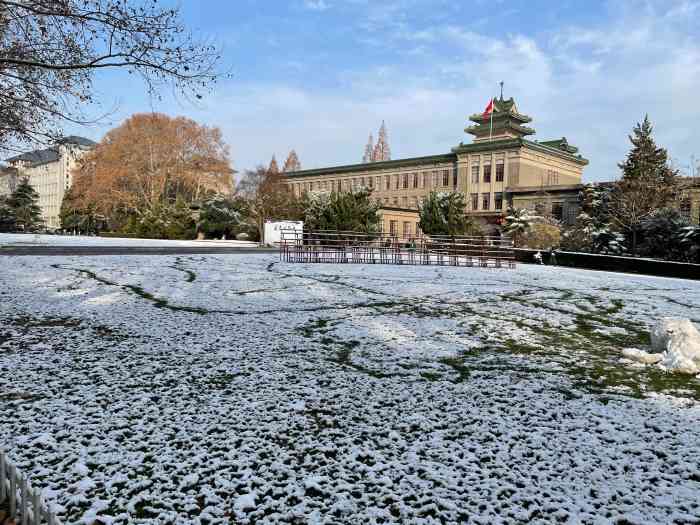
(348, 247)
(24, 503)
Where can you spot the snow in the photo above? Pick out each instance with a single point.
(267, 392)
(20, 239)
(245, 502)
(641, 356)
(679, 341)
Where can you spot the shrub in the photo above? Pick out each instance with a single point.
(541, 236)
(444, 213)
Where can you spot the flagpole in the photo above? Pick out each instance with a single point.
(493, 106)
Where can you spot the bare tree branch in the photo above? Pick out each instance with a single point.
(51, 49)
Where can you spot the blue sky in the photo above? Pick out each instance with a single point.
(320, 75)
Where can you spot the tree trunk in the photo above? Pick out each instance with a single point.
(634, 242)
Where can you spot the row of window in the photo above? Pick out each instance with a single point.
(408, 229)
(485, 201)
(403, 202)
(500, 171)
(428, 179)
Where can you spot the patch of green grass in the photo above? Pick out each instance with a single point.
(457, 364)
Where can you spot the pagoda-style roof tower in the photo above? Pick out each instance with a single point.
(507, 122)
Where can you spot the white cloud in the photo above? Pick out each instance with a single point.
(316, 5)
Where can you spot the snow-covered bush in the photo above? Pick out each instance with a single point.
(606, 241)
(518, 222)
(690, 243)
(662, 233)
(346, 211)
(444, 213)
(222, 215)
(165, 221)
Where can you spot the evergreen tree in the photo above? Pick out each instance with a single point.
(690, 241)
(648, 184)
(645, 159)
(443, 213)
(518, 223)
(76, 217)
(662, 234)
(25, 207)
(346, 211)
(7, 216)
(163, 221)
(221, 215)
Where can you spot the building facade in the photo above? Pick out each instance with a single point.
(500, 167)
(49, 173)
(689, 205)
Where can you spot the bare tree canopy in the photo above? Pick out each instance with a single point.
(51, 49)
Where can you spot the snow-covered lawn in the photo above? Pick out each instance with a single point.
(30, 239)
(237, 389)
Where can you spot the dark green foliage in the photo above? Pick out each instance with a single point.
(77, 218)
(647, 184)
(7, 216)
(443, 213)
(223, 216)
(594, 200)
(347, 211)
(517, 223)
(645, 158)
(690, 243)
(173, 221)
(661, 234)
(25, 208)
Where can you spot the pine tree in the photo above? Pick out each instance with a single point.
(7, 216)
(369, 149)
(273, 167)
(444, 213)
(25, 207)
(292, 163)
(648, 184)
(347, 211)
(645, 159)
(517, 223)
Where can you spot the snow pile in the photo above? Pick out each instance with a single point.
(679, 341)
(22, 239)
(634, 354)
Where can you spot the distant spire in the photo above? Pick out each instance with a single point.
(501, 89)
(292, 163)
(381, 149)
(367, 157)
(273, 168)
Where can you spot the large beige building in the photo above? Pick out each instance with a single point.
(49, 173)
(501, 166)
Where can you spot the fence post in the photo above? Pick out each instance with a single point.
(13, 491)
(25, 496)
(36, 503)
(3, 477)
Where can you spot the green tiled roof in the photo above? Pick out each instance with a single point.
(561, 144)
(373, 166)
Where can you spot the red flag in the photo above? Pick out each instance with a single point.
(488, 110)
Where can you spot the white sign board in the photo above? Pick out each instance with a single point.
(273, 231)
